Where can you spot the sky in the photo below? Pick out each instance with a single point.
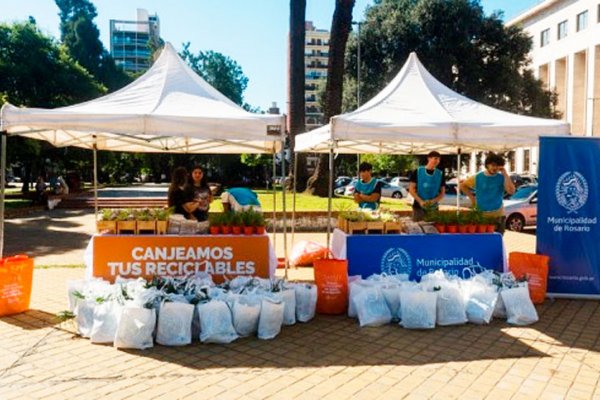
(252, 32)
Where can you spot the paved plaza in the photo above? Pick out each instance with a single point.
(330, 357)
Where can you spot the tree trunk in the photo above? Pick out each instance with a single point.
(341, 25)
(296, 102)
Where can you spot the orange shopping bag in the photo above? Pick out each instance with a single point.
(16, 275)
(331, 277)
(535, 267)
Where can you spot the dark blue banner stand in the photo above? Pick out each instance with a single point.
(417, 255)
(568, 229)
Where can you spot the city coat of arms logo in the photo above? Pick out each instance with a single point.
(396, 261)
(571, 191)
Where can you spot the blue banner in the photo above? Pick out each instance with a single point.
(417, 255)
(568, 210)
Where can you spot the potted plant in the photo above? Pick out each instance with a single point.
(462, 221)
(161, 216)
(355, 221)
(390, 222)
(214, 221)
(248, 222)
(226, 223)
(374, 222)
(451, 222)
(491, 224)
(440, 222)
(126, 221)
(107, 222)
(259, 223)
(144, 221)
(236, 223)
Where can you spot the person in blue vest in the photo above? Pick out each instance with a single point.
(489, 186)
(367, 190)
(240, 199)
(427, 186)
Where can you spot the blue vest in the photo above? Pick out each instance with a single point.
(366, 189)
(489, 191)
(244, 196)
(428, 186)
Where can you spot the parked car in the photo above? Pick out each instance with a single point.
(393, 191)
(523, 179)
(402, 181)
(520, 209)
(349, 188)
(450, 197)
(342, 181)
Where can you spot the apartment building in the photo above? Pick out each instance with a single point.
(131, 41)
(316, 57)
(566, 57)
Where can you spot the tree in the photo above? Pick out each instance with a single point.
(81, 36)
(482, 59)
(296, 81)
(220, 71)
(36, 72)
(340, 29)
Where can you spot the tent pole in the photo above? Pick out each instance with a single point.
(458, 181)
(285, 250)
(274, 222)
(329, 198)
(295, 188)
(2, 188)
(95, 179)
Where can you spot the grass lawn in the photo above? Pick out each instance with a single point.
(306, 202)
(16, 203)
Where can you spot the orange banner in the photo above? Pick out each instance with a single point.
(148, 256)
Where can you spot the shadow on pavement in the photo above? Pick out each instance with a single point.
(31, 320)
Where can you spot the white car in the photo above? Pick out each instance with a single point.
(520, 209)
(450, 197)
(387, 190)
(400, 181)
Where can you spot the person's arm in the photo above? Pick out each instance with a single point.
(466, 187)
(373, 197)
(412, 189)
(509, 186)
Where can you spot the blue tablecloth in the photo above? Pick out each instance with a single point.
(417, 255)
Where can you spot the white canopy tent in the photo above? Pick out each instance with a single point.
(168, 109)
(415, 113)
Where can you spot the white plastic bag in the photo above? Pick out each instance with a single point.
(480, 301)
(289, 306)
(519, 308)
(175, 324)
(216, 324)
(450, 306)
(391, 294)
(354, 289)
(306, 301)
(418, 309)
(135, 329)
(85, 317)
(75, 289)
(371, 307)
(106, 322)
(499, 308)
(271, 318)
(246, 313)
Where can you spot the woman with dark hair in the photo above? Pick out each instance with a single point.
(199, 194)
(177, 196)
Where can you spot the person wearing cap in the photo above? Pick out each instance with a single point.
(240, 199)
(427, 186)
(486, 189)
(367, 190)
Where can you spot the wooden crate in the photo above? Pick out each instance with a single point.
(392, 227)
(375, 226)
(342, 224)
(106, 226)
(127, 226)
(146, 226)
(357, 226)
(161, 227)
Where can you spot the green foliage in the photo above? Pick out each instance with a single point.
(162, 214)
(482, 58)
(256, 160)
(390, 163)
(220, 71)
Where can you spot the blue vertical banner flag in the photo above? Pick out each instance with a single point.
(568, 226)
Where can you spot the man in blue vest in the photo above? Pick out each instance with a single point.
(489, 186)
(427, 186)
(239, 199)
(367, 190)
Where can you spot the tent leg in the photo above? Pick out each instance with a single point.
(285, 249)
(274, 222)
(96, 181)
(458, 180)
(2, 188)
(295, 188)
(329, 199)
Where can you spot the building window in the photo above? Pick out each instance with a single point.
(545, 37)
(582, 20)
(562, 30)
(526, 160)
(598, 12)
